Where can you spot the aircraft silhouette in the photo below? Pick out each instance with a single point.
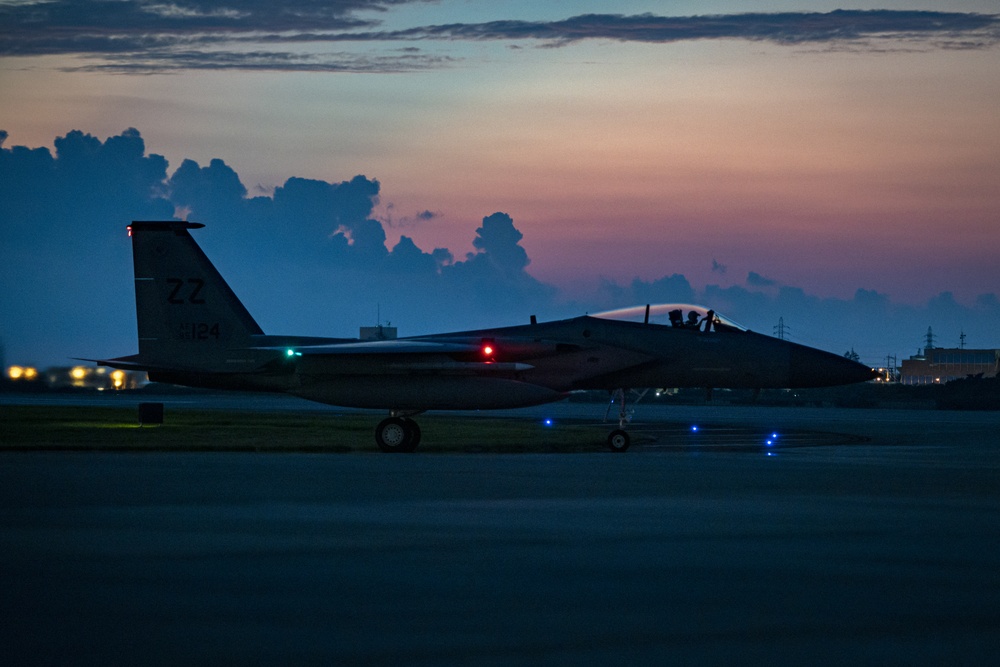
(194, 331)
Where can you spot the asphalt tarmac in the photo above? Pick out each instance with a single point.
(879, 547)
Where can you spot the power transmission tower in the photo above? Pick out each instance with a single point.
(929, 340)
(961, 341)
(892, 372)
(780, 329)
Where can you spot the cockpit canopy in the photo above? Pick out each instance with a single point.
(679, 315)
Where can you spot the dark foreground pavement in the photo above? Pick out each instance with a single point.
(879, 553)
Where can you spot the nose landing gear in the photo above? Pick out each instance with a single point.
(618, 439)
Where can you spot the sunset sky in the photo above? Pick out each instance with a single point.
(843, 155)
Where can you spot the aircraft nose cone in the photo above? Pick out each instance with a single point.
(815, 368)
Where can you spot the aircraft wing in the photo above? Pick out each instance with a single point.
(464, 347)
(379, 347)
(466, 355)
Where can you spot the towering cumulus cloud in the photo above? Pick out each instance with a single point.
(64, 269)
(309, 259)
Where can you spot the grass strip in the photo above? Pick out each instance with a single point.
(40, 428)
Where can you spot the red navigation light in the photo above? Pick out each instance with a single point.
(130, 230)
(487, 350)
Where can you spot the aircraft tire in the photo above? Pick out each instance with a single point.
(395, 434)
(618, 440)
(414, 429)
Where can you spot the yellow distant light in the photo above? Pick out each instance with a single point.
(118, 378)
(22, 373)
(78, 373)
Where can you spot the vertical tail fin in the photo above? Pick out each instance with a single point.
(188, 316)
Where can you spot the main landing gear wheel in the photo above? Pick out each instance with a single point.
(415, 431)
(618, 441)
(397, 434)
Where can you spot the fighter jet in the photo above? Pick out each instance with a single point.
(194, 331)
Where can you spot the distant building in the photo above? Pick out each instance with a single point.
(378, 333)
(93, 377)
(938, 365)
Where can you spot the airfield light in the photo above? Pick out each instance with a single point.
(78, 373)
(694, 429)
(290, 352)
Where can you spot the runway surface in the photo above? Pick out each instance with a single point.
(882, 549)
